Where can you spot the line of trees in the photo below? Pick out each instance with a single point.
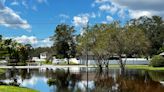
(139, 37)
(13, 51)
(154, 30)
(64, 42)
(108, 40)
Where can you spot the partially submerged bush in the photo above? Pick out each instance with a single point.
(157, 61)
(51, 82)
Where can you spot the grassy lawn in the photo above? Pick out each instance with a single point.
(143, 67)
(46, 62)
(15, 89)
(2, 71)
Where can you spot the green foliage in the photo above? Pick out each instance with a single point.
(13, 51)
(47, 62)
(156, 76)
(161, 49)
(51, 82)
(157, 61)
(2, 71)
(35, 52)
(22, 63)
(106, 40)
(64, 43)
(153, 28)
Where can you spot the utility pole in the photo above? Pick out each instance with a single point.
(87, 54)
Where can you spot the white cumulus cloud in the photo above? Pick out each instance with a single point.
(139, 8)
(10, 18)
(80, 20)
(109, 8)
(131, 8)
(45, 43)
(34, 41)
(105, 7)
(109, 18)
(137, 13)
(26, 39)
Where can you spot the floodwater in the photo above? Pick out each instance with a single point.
(86, 80)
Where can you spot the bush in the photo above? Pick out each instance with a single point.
(51, 82)
(157, 61)
(16, 64)
(47, 62)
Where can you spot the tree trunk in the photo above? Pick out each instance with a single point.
(68, 60)
(107, 64)
(100, 66)
(122, 66)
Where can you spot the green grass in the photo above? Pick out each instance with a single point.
(15, 89)
(142, 67)
(46, 62)
(2, 71)
(145, 67)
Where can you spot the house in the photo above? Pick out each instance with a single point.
(60, 61)
(3, 62)
(91, 59)
(43, 55)
(36, 59)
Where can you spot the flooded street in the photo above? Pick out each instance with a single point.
(79, 80)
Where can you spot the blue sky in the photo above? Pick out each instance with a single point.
(34, 21)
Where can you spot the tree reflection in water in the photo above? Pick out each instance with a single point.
(156, 76)
(13, 75)
(128, 82)
(64, 81)
(108, 80)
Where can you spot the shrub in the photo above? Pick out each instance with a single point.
(47, 62)
(51, 82)
(16, 64)
(157, 61)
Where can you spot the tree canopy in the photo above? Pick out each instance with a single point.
(106, 40)
(13, 51)
(153, 28)
(64, 41)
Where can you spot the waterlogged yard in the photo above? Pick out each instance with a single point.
(83, 80)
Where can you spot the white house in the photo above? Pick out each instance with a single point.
(58, 61)
(37, 59)
(43, 55)
(3, 61)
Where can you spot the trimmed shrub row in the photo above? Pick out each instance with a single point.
(157, 61)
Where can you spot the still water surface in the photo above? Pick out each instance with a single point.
(79, 80)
